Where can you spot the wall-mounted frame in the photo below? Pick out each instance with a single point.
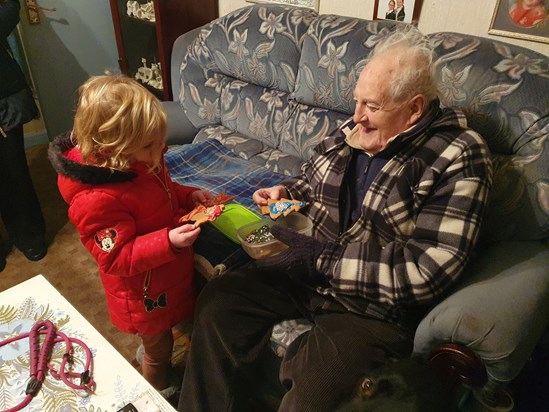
(509, 20)
(387, 10)
(311, 4)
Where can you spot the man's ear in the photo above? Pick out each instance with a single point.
(417, 106)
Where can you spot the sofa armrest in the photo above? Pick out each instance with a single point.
(456, 364)
(499, 312)
(180, 128)
(179, 50)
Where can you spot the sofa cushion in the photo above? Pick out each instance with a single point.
(252, 150)
(306, 127)
(503, 336)
(503, 91)
(334, 53)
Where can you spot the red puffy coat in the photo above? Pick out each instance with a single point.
(123, 219)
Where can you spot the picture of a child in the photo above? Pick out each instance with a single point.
(527, 13)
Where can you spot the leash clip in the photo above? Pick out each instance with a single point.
(33, 387)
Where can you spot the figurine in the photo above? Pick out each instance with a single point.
(156, 76)
(144, 73)
(141, 11)
(132, 7)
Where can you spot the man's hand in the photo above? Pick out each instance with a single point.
(302, 251)
(261, 196)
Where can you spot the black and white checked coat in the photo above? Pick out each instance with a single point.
(420, 217)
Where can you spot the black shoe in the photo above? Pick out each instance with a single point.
(35, 253)
(5, 250)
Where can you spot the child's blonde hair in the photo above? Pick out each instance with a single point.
(116, 117)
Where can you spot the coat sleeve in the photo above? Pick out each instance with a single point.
(183, 194)
(9, 17)
(107, 229)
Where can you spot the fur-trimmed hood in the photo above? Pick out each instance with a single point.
(86, 174)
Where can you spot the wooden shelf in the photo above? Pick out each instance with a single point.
(138, 39)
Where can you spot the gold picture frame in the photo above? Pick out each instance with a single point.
(526, 27)
(310, 4)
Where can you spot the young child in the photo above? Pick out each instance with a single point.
(126, 208)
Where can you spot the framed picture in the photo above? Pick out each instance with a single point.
(523, 19)
(311, 4)
(406, 11)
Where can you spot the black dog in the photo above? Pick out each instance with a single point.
(402, 386)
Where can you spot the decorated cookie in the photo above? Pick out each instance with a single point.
(202, 214)
(221, 198)
(207, 212)
(276, 208)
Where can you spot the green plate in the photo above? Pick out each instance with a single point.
(233, 217)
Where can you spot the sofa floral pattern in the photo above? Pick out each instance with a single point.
(270, 81)
(503, 90)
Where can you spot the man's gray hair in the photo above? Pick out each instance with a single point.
(415, 63)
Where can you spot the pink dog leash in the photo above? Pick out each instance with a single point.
(40, 354)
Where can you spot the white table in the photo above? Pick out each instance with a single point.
(118, 382)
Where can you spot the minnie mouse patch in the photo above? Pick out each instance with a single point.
(105, 239)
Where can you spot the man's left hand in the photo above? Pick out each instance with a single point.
(303, 251)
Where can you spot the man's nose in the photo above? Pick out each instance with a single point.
(359, 115)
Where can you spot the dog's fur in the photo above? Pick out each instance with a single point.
(403, 386)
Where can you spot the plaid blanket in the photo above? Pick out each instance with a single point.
(211, 166)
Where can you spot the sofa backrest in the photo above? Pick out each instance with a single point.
(504, 91)
(239, 73)
(271, 81)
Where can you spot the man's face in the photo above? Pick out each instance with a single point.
(379, 118)
(400, 3)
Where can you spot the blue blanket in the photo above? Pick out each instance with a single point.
(211, 166)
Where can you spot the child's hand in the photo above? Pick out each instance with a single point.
(201, 196)
(183, 236)
(261, 196)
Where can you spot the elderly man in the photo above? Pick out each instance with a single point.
(397, 195)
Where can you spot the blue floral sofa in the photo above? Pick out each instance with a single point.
(258, 88)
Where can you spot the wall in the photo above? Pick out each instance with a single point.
(464, 16)
(71, 43)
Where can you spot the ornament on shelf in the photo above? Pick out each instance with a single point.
(150, 75)
(141, 11)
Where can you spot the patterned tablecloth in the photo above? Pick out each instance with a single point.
(118, 382)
